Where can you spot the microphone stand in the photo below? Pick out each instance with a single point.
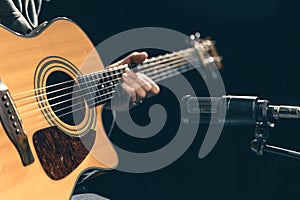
(259, 145)
(242, 110)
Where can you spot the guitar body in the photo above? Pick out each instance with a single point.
(61, 150)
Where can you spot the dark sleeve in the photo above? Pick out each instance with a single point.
(20, 15)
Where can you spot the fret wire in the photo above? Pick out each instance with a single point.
(158, 66)
(108, 98)
(172, 69)
(154, 59)
(166, 67)
(158, 70)
(95, 103)
(18, 96)
(89, 99)
(171, 73)
(108, 75)
(102, 101)
(84, 78)
(144, 71)
(158, 78)
(180, 56)
(162, 68)
(91, 77)
(80, 90)
(67, 100)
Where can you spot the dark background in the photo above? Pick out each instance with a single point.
(259, 40)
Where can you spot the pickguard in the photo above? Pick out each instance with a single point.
(59, 153)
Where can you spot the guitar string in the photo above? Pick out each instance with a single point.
(153, 60)
(65, 88)
(68, 100)
(146, 68)
(160, 76)
(105, 77)
(165, 68)
(95, 102)
(82, 89)
(104, 71)
(94, 91)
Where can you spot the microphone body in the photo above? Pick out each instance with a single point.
(233, 110)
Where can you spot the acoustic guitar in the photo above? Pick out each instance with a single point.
(44, 84)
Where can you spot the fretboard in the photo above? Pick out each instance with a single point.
(100, 87)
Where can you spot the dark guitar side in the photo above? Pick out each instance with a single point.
(59, 155)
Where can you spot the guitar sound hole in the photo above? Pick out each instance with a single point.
(65, 98)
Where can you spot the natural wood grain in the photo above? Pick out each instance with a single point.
(19, 59)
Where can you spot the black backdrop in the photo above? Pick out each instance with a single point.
(259, 42)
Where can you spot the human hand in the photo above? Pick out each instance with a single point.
(137, 86)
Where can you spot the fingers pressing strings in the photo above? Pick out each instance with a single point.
(133, 58)
(140, 87)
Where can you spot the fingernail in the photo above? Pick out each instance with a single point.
(127, 69)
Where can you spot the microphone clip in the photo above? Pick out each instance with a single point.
(259, 144)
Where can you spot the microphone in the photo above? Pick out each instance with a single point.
(234, 110)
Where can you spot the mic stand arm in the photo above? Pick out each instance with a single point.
(259, 144)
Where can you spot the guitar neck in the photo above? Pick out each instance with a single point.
(169, 65)
(99, 87)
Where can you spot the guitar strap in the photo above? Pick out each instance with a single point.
(20, 15)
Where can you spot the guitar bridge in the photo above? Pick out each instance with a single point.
(12, 125)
